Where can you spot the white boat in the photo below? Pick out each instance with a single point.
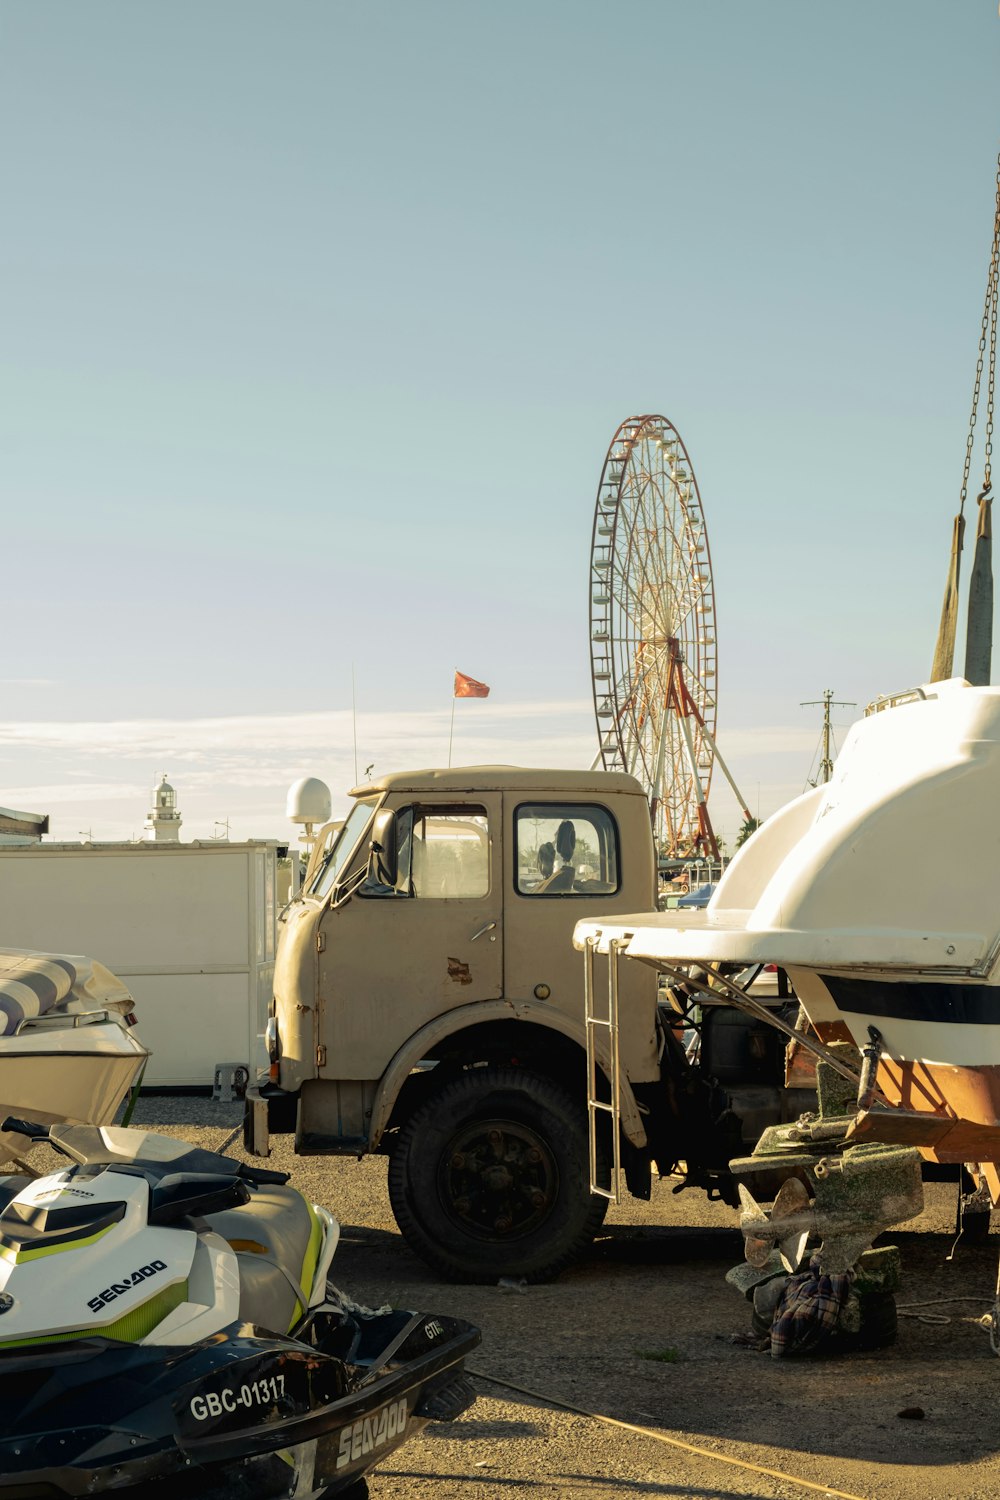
(879, 893)
(67, 1050)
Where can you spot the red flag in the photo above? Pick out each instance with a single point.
(468, 687)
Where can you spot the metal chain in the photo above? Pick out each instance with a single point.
(989, 325)
(991, 296)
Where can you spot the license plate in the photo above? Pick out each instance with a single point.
(252, 1393)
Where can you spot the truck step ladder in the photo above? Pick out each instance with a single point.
(606, 1022)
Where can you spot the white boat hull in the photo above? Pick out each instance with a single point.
(941, 1058)
(77, 1075)
(877, 893)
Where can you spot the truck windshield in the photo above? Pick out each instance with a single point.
(342, 848)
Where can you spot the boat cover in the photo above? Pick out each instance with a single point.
(33, 983)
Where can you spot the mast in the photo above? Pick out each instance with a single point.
(826, 703)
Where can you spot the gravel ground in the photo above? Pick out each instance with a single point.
(640, 1332)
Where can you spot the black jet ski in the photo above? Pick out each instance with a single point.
(168, 1327)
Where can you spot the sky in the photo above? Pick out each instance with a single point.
(317, 320)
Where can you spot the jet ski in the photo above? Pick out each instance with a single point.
(168, 1328)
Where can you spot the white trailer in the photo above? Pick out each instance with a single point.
(190, 928)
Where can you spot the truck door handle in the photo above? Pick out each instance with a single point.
(488, 928)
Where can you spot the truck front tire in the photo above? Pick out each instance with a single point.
(490, 1178)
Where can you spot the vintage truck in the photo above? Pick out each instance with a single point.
(429, 1004)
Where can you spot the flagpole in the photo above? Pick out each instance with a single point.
(354, 721)
(465, 687)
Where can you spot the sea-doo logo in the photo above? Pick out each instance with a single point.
(6, 1302)
(62, 1192)
(118, 1288)
(371, 1432)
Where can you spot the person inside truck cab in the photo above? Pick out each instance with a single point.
(562, 879)
(546, 860)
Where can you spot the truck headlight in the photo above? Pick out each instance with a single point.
(271, 1041)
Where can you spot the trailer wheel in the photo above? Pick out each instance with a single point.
(490, 1178)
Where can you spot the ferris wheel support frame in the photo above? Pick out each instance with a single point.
(680, 700)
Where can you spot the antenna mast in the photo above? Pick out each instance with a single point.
(826, 703)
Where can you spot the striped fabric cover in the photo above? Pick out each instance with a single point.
(33, 983)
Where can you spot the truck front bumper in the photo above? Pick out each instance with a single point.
(268, 1111)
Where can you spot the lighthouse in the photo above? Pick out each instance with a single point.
(163, 822)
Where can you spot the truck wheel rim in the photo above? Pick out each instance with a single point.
(498, 1179)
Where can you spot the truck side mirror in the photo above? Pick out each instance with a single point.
(383, 864)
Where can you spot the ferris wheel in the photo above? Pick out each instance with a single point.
(652, 632)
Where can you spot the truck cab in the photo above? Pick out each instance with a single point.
(428, 1002)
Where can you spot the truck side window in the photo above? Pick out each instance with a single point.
(447, 852)
(565, 849)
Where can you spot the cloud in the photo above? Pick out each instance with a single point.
(240, 766)
(53, 794)
(542, 729)
(194, 739)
